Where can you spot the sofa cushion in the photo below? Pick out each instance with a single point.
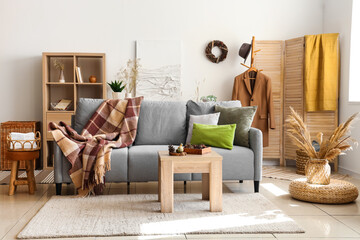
(238, 163)
(221, 136)
(210, 119)
(86, 107)
(119, 167)
(161, 123)
(242, 117)
(143, 164)
(200, 108)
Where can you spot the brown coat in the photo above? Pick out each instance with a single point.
(261, 97)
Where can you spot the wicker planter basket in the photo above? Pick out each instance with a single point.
(301, 159)
(318, 171)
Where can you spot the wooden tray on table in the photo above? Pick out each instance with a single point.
(197, 151)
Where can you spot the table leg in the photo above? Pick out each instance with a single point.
(216, 186)
(14, 170)
(17, 173)
(205, 186)
(30, 176)
(167, 187)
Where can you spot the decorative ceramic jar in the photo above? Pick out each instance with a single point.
(318, 171)
(92, 79)
(128, 95)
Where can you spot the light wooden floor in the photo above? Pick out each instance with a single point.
(320, 221)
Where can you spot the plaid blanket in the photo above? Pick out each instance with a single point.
(113, 125)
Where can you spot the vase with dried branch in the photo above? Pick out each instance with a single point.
(129, 75)
(60, 66)
(317, 169)
(197, 90)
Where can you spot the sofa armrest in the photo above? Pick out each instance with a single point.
(58, 156)
(256, 144)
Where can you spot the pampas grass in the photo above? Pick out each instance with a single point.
(129, 74)
(340, 141)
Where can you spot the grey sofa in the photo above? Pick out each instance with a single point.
(161, 124)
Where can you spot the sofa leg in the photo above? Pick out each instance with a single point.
(241, 181)
(184, 183)
(256, 186)
(128, 187)
(58, 188)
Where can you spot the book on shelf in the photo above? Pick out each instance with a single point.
(63, 104)
(78, 74)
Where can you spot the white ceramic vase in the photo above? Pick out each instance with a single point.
(62, 77)
(128, 95)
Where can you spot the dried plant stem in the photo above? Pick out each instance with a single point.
(330, 148)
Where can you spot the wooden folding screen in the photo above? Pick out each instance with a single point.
(270, 59)
(293, 87)
(322, 121)
(283, 62)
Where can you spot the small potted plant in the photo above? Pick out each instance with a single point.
(209, 98)
(117, 87)
(60, 66)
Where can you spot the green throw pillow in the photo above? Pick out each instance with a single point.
(242, 117)
(214, 135)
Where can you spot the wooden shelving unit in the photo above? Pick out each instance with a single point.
(54, 91)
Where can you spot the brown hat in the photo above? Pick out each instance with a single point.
(244, 51)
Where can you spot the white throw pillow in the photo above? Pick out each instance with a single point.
(208, 119)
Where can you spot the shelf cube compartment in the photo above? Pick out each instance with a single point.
(54, 74)
(91, 66)
(58, 92)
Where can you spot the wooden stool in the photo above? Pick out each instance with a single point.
(29, 157)
(28, 151)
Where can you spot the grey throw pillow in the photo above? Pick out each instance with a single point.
(208, 119)
(161, 123)
(243, 117)
(200, 108)
(86, 107)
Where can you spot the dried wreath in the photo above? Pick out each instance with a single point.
(221, 46)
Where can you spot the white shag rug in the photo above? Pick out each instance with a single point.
(139, 214)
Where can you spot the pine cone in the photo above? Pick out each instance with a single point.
(171, 148)
(188, 145)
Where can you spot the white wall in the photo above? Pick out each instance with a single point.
(30, 27)
(337, 18)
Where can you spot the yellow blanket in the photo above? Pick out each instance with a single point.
(321, 74)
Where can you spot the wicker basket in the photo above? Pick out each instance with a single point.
(318, 171)
(301, 159)
(25, 145)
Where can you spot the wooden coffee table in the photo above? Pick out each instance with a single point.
(210, 165)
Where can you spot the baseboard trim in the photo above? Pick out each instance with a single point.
(349, 172)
